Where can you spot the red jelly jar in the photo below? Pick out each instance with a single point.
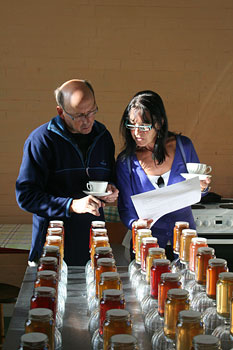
(147, 242)
(44, 297)
(48, 263)
(111, 299)
(158, 267)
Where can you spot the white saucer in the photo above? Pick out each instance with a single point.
(97, 194)
(191, 176)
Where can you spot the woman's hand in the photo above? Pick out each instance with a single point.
(113, 196)
(89, 204)
(142, 223)
(205, 183)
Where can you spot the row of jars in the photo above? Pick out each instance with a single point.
(47, 303)
(197, 267)
(110, 323)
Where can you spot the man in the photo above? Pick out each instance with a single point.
(59, 158)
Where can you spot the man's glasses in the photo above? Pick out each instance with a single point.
(143, 128)
(160, 182)
(81, 115)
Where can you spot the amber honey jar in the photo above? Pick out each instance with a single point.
(147, 242)
(34, 341)
(109, 280)
(189, 325)
(57, 241)
(141, 233)
(41, 320)
(103, 265)
(102, 252)
(137, 226)
(168, 281)
(95, 224)
(52, 251)
(57, 231)
(98, 232)
(117, 321)
(204, 254)
(153, 253)
(98, 242)
(177, 300)
(196, 243)
(185, 241)
(46, 278)
(215, 267)
(123, 342)
(231, 313)
(48, 263)
(224, 293)
(179, 226)
(158, 267)
(111, 299)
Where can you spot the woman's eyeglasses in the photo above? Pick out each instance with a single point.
(143, 128)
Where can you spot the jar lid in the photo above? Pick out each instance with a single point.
(99, 231)
(204, 339)
(47, 273)
(217, 262)
(156, 250)
(48, 260)
(100, 239)
(54, 230)
(51, 248)
(40, 313)
(112, 293)
(149, 240)
(103, 250)
(161, 262)
(178, 293)
(117, 314)
(206, 250)
(189, 232)
(45, 291)
(109, 276)
(197, 240)
(34, 338)
(226, 276)
(144, 231)
(170, 276)
(56, 222)
(98, 223)
(123, 339)
(189, 315)
(53, 238)
(106, 262)
(181, 223)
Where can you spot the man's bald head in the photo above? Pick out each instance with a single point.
(73, 92)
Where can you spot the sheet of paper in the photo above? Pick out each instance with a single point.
(156, 203)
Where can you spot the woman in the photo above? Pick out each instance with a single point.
(153, 157)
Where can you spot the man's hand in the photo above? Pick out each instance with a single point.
(89, 204)
(113, 196)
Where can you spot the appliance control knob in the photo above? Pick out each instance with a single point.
(198, 222)
(206, 223)
(229, 223)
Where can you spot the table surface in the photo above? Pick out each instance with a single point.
(75, 322)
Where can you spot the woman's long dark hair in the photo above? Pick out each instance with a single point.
(147, 101)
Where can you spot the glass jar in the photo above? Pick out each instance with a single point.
(111, 299)
(185, 241)
(224, 293)
(177, 300)
(204, 254)
(41, 320)
(103, 265)
(109, 280)
(118, 321)
(215, 266)
(57, 241)
(141, 233)
(167, 281)
(179, 226)
(196, 243)
(159, 266)
(98, 232)
(123, 342)
(34, 341)
(153, 253)
(137, 226)
(44, 297)
(189, 324)
(98, 242)
(56, 223)
(95, 224)
(52, 251)
(57, 231)
(46, 278)
(102, 252)
(206, 342)
(147, 242)
(48, 263)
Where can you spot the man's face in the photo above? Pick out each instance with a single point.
(79, 116)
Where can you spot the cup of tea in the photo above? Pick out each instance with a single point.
(198, 168)
(97, 186)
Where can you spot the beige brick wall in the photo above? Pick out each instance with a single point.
(180, 48)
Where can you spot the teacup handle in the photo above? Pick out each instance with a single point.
(89, 187)
(208, 169)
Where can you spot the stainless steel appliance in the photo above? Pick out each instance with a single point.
(214, 221)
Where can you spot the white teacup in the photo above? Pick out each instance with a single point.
(198, 168)
(97, 186)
